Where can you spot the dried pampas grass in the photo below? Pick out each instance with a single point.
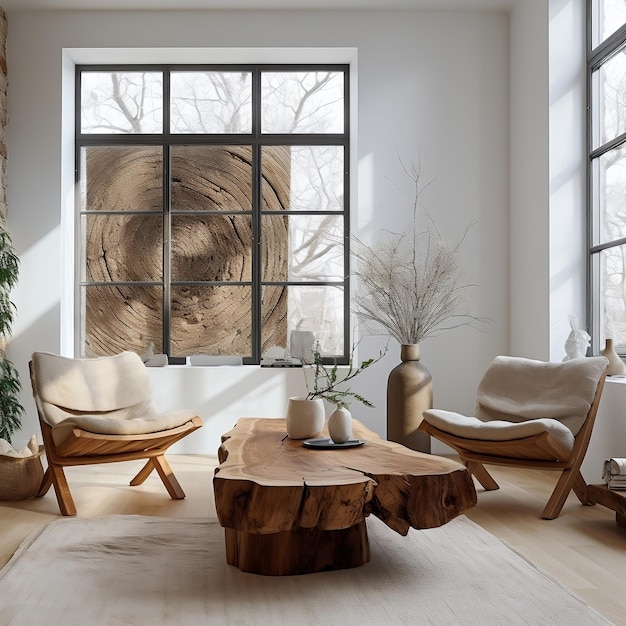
(411, 284)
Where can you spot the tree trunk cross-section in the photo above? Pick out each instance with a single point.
(211, 242)
(287, 509)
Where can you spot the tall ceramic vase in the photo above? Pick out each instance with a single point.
(409, 393)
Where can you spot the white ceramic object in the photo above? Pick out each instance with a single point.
(340, 425)
(302, 345)
(305, 418)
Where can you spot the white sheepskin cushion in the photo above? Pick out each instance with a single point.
(100, 384)
(497, 430)
(120, 423)
(515, 390)
(105, 395)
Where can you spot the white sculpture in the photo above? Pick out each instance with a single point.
(577, 341)
(302, 345)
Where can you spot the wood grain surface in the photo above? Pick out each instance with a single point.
(267, 483)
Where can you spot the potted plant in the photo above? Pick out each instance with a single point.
(21, 471)
(306, 415)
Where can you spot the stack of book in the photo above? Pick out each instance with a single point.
(614, 474)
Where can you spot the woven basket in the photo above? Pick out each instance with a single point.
(20, 477)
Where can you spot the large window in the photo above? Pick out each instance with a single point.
(214, 206)
(607, 170)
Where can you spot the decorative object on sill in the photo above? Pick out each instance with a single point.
(340, 425)
(281, 363)
(149, 353)
(277, 357)
(577, 341)
(214, 360)
(305, 417)
(411, 285)
(614, 474)
(21, 471)
(616, 365)
(156, 360)
(150, 359)
(302, 346)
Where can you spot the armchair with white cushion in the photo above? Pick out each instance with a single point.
(100, 410)
(529, 413)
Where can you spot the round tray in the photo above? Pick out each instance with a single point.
(322, 443)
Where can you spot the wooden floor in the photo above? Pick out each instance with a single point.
(583, 549)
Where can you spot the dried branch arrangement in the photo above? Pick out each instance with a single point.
(411, 284)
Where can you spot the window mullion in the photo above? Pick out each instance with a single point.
(167, 219)
(257, 289)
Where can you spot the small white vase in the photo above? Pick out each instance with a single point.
(305, 418)
(340, 425)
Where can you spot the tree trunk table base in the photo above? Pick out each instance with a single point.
(298, 551)
(287, 509)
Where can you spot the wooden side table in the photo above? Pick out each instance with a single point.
(610, 498)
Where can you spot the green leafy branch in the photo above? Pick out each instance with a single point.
(326, 380)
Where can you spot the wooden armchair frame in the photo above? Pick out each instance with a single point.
(541, 451)
(82, 447)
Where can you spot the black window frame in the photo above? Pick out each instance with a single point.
(257, 139)
(596, 57)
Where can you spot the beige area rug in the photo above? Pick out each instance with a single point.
(147, 570)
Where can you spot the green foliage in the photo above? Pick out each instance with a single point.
(326, 380)
(9, 272)
(11, 410)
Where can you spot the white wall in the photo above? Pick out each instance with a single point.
(529, 201)
(430, 82)
(567, 169)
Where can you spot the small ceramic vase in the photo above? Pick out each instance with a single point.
(616, 365)
(305, 418)
(340, 425)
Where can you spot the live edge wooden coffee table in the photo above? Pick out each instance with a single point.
(287, 509)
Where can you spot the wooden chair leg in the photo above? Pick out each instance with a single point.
(167, 476)
(564, 485)
(145, 471)
(482, 475)
(62, 490)
(46, 483)
(580, 489)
